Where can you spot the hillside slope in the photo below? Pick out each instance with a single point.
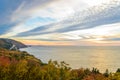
(8, 43)
(20, 65)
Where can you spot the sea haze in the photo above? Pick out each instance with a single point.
(101, 57)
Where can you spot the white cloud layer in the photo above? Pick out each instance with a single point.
(95, 20)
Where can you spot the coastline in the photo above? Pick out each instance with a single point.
(79, 57)
(20, 65)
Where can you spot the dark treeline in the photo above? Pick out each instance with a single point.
(16, 65)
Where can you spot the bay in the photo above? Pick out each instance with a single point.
(100, 57)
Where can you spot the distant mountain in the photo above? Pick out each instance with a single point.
(11, 44)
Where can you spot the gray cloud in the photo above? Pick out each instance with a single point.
(112, 39)
(92, 17)
(12, 12)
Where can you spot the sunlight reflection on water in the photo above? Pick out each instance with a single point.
(87, 57)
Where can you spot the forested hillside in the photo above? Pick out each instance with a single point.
(16, 65)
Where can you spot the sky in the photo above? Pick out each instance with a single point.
(61, 22)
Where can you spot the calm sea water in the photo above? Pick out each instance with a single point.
(78, 56)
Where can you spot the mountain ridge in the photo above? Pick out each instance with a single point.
(11, 44)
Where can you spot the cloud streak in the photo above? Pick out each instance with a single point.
(51, 20)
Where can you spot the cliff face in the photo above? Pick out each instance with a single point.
(11, 44)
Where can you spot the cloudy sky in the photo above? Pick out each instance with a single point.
(61, 22)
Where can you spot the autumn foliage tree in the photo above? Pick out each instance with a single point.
(16, 65)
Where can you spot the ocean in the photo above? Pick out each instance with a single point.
(100, 57)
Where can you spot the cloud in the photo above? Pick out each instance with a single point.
(27, 8)
(112, 39)
(5, 28)
(6, 9)
(92, 17)
(58, 20)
